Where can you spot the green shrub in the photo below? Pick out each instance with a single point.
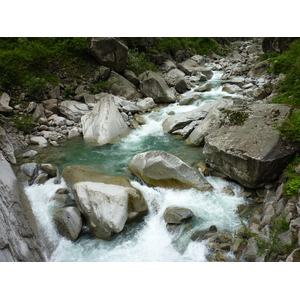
(292, 186)
(35, 88)
(138, 63)
(290, 128)
(100, 86)
(23, 123)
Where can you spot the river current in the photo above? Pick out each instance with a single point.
(148, 241)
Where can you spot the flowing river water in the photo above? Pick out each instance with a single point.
(148, 241)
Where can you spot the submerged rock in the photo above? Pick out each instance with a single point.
(177, 215)
(160, 168)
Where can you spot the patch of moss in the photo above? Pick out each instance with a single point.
(236, 117)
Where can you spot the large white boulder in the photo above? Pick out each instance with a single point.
(104, 124)
(73, 110)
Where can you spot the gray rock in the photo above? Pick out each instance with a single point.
(29, 172)
(109, 52)
(19, 236)
(146, 104)
(294, 256)
(38, 140)
(153, 85)
(104, 124)
(6, 147)
(259, 69)
(200, 60)
(51, 105)
(247, 148)
(73, 133)
(231, 88)
(38, 112)
(162, 169)
(204, 87)
(59, 121)
(49, 169)
(68, 222)
(4, 104)
(181, 85)
(30, 153)
(73, 110)
(177, 215)
(129, 75)
(120, 86)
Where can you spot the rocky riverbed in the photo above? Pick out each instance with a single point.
(237, 134)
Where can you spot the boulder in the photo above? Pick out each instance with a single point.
(180, 121)
(129, 75)
(153, 85)
(145, 104)
(231, 88)
(38, 112)
(28, 172)
(259, 69)
(49, 169)
(162, 169)
(104, 123)
(68, 222)
(4, 104)
(191, 67)
(199, 59)
(38, 140)
(206, 87)
(6, 147)
(102, 73)
(120, 86)
(109, 52)
(211, 123)
(248, 148)
(73, 110)
(51, 104)
(173, 75)
(30, 153)
(19, 235)
(107, 202)
(181, 85)
(177, 215)
(73, 133)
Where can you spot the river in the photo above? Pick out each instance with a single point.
(148, 241)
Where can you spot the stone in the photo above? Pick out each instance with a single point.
(202, 234)
(191, 67)
(177, 215)
(30, 153)
(51, 104)
(120, 86)
(162, 169)
(59, 121)
(259, 69)
(153, 85)
(189, 99)
(109, 52)
(49, 169)
(73, 110)
(206, 87)
(180, 121)
(137, 207)
(29, 172)
(6, 147)
(102, 73)
(231, 88)
(145, 104)
(249, 149)
(199, 59)
(68, 222)
(4, 103)
(129, 75)
(38, 112)
(20, 239)
(73, 133)
(181, 86)
(173, 76)
(294, 256)
(104, 124)
(38, 140)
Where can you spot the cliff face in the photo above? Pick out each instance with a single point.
(19, 239)
(277, 44)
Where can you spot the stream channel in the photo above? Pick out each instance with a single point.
(148, 241)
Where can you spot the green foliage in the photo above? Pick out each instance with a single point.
(274, 246)
(196, 45)
(138, 63)
(23, 123)
(292, 186)
(35, 88)
(100, 86)
(68, 91)
(21, 59)
(288, 63)
(290, 128)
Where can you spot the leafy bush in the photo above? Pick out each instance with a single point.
(35, 88)
(23, 123)
(290, 128)
(138, 63)
(292, 186)
(100, 86)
